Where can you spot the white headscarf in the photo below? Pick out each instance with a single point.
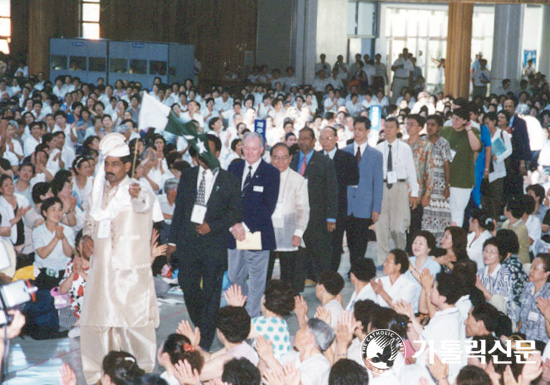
(113, 144)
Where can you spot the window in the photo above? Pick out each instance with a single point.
(89, 18)
(5, 26)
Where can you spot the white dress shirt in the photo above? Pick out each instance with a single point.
(246, 170)
(365, 293)
(403, 163)
(336, 311)
(209, 179)
(475, 247)
(499, 167)
(402, 289)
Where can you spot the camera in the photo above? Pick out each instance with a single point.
(12, 295)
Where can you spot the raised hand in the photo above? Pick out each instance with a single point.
(438, 369)
(67, 375)
(426, 280)
(345, 328)
(185, 329)
(234, 296)
(264, 348)
(323, 314)
(185, 374)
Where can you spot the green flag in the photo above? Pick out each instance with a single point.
(195, 139)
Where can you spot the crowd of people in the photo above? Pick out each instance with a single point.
(454, 192)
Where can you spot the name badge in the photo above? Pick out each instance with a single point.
(104, 229)
(453, 153)
(533, 316)
(198, 214)
(391, 177)
(258, 188)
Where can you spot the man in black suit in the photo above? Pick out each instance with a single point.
(521, 152)
(347, 174)
(201, 238)
(323, 203)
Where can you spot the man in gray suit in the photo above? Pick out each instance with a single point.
(365, 199)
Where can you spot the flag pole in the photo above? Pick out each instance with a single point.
(135, 159)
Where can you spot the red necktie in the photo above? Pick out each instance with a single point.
(358, 155)
(303, 168)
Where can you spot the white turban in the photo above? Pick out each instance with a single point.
(113, 144)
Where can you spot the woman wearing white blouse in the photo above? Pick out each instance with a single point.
(481, 228)
(495, 280)
(395, 285)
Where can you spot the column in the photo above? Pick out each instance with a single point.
(544, 56)
(459, 43)
(507, 45)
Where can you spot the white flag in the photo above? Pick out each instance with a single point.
(153, 114)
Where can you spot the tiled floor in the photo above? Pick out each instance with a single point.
(37, 362)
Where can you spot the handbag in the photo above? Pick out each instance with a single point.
(60, 301)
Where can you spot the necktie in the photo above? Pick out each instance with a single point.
(389, 165)
(303, 168)
(247, 179)
(201, 194)
(358, 155)
(327, 154)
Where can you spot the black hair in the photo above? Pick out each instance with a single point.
(57, 185)
(430, 238)
(492, 116)
(483, 219)
(394, 120)
(32, 166)
(449, 286)
(77, 163)
(121, 367)
(528, 204)
(179, 348)
(437, 119)
(47, 137)
(362, 119)
(516, 208)
(402, 259)
(508, 241)
(39, 189)
(234, 323)
(308, 130)
(234, 143)
(364, 311)
(460, 241)
(538, 190)
(488, 314)
(462, 113)
(240, 371)
(332, 281)
(277, 145)
(418, 118)
(348, 372)
(494, 242)
(88, 141)
(49, 202)
(217, 142)
(364, 269)
(148, 379)
(279, 297)
(387, 318)
(472, 375)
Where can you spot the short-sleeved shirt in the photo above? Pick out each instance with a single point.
(274, 329)
(462, 168)
(56, 260)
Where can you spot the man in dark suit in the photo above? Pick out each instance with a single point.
(347, 174)
(323, 204)
(202, 248)
(521, 152)
(364, 199)
(259, 191)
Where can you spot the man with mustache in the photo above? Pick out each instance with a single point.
(120, 310)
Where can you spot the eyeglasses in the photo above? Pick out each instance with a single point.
(280, 157)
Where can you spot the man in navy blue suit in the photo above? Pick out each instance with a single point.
(521, 152)
(259, 183)
(365, 199)
(202, 247)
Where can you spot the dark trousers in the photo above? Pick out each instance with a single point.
(202, 303)
(416, 225)
(513, 185)
(337, 241)
(491, 202)
(357, 230)
(288, 261)
(317, 255)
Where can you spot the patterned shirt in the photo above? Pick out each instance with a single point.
(519, 277)
(424, 165)
(532, 320)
